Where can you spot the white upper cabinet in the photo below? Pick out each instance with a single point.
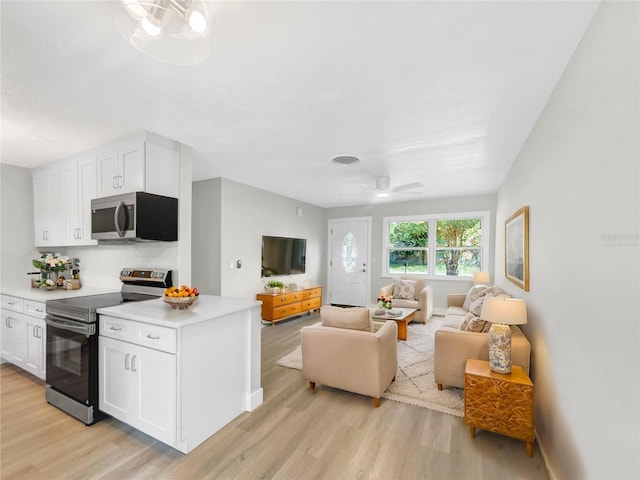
(47, 205)
(63, 190)
(79, 177)
(142, 163)
(121, 167)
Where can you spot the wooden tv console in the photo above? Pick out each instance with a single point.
(279, 306)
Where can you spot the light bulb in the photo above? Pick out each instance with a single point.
(197, 21)
(149, 27)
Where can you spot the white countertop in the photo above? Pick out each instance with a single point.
(157, 312)
(42, 295)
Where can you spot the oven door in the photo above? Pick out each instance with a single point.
(72, 358)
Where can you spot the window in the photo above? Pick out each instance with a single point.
(451, 245)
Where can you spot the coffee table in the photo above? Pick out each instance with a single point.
(407, 315)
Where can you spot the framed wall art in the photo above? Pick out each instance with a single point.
(516, 248)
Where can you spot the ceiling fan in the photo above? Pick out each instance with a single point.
(383, 187)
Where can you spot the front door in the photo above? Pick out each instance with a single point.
(349, 258)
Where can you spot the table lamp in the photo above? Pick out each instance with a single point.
(481, 278)
(502, 312)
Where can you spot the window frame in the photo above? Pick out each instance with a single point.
(432, 220)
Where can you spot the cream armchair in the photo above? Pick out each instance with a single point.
(359, 361)
(422, 301)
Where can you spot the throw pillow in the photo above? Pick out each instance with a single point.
(355, 318)
(476, 306)
(405, 289)
(472, 323)
(475, 293)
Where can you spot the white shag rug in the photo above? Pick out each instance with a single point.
(415, 383)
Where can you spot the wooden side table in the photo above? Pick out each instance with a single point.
(499, 403)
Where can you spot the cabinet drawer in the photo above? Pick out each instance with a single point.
(311, 304)
(287, 298)
(152, 336)
(35, 309)
(286, 310)
(12, 303)
(312, 293)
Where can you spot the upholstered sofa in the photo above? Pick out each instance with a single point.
(346, 351)
(421, 300)
(454, 346)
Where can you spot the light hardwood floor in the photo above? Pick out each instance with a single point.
(295, 434)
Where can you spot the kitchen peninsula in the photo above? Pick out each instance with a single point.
(180, 375)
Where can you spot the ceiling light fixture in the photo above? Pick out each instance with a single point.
(169, 30)
(346, 160)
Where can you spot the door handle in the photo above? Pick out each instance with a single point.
(116, 214)
(126, 361)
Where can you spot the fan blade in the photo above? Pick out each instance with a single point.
(408, 186)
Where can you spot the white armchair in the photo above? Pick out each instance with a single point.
(422, 301)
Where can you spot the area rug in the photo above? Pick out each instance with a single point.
(415, 383)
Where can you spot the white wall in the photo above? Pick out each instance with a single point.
(441, 287)
(579, 173)
(16, 230)
(247, 213)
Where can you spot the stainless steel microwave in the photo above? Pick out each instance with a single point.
(136, 216)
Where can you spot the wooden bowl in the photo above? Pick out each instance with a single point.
(180, 303)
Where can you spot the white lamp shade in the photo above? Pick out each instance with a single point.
(481, 277)
(506, 311)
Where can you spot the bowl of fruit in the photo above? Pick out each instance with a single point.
(180, 297)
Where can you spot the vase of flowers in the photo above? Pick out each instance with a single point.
(48, 263)
(384, 302)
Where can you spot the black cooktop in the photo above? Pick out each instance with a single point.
(77, 307)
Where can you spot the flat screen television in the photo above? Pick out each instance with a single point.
(283, 256)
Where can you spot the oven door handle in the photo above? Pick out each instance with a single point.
(87, 330)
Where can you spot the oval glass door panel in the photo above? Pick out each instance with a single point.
(349, 252)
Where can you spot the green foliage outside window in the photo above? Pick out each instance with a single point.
(408, 242)
(457, 246)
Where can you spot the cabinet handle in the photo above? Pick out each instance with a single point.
(35, 334)
(133, 363)
(115, 182)
(39, 310)
(79, 233)
(126, 361)
(152, 337)
(117, 329)
(119, 181)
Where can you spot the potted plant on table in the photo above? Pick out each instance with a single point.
(274, 286)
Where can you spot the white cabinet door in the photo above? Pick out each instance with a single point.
(69, 172)
(155, 376)
(87, 191)
(6, 348)
(47, 205)
(121, 167)
(34, 337)
(107, 169)
(131, 165)
(138, 386)
(116, 383)
(79, 177)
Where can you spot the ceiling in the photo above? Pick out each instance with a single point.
(441, 93)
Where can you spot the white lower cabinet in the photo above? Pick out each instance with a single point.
(138, 386)
(24, 335)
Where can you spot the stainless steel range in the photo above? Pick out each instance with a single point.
(72, 340)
